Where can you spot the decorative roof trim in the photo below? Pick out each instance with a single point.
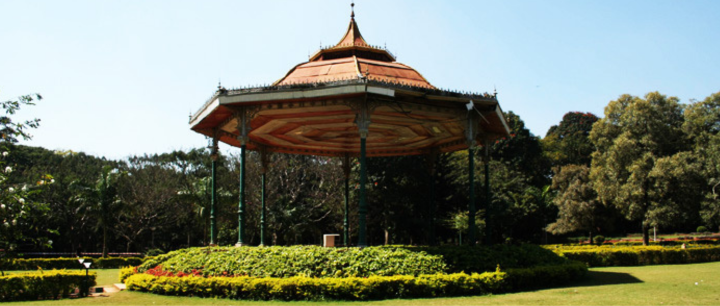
(443, 94)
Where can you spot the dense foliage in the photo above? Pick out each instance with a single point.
(43, 285)
(653, 162)
(642, 165)
(310, 261)
(568, 142)
(315, 273)
(488, 258)
(604, 256)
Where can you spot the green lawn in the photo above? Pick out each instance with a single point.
(657, 285)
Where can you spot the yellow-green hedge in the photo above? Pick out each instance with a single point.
(356, 288)
(42, 285)
(126, 272)
(604, 256)
(67, 263)
(545, 276)
(306, 288)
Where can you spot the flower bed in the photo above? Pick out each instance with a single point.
(313, 273)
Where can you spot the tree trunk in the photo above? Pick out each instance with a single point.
(590, 237)
(646, 205)
(104, 251)
(646, 234)
(387, 237)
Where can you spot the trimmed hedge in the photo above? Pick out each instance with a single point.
(669, 242)
(356, 288)
(477, 259)
(42, 285)
(309, 261)
(605, 256)
(315, 273)
(521, 279)
(67, 263)
(307, 288)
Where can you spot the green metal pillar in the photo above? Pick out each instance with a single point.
(213, 200)
(471, 179)
(213, 188)
(262, 209)
(362, 209)
(263, 196)
(241, 205)
(488, 199)
(346, 219)
(431, 160)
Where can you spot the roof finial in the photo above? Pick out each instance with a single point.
(352, 8)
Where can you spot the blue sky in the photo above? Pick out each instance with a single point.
(120, 78)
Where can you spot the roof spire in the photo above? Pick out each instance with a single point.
(352, 8)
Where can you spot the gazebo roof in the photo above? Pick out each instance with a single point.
(353, 58)
(314, 108)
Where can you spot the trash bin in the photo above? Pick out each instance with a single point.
(329, 240)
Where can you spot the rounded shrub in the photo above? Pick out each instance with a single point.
(307, 261)
(154, 252)
(599, 239)
(478, 259)
(702, 229)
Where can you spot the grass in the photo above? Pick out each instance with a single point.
(657, 285)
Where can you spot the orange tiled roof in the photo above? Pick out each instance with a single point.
(353, 58)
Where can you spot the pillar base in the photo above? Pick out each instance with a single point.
(237, 245)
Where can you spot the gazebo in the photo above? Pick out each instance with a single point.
(348, 100)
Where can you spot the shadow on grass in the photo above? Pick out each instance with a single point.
(598, 278)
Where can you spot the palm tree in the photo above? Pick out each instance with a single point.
(199, 194)
(101, 200)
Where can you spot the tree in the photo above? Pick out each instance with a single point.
(151, 204)
(630, 140)
(702, 125)
(9, 130)
(304, 195)
(19, 213)
(577, 202)
(70, 224)
(515, 206)
(458, 221)
(569, 142)
(102, 200)
(198, 196)
(523, 151)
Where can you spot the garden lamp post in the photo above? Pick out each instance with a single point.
(84, 290)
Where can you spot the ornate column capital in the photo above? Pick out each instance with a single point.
(243, 126)
(214, 144)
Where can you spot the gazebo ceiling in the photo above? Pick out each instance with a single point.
(314, 108)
